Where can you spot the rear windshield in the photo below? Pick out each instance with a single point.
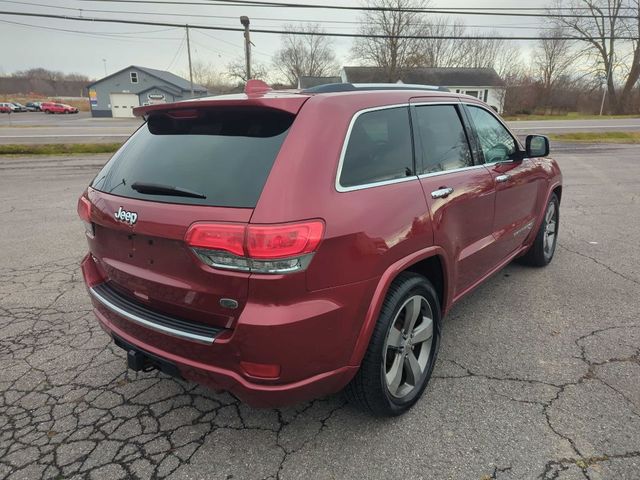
(223, 155)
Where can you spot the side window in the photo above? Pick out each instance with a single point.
(379, 148)
(444, 141)
(496, 142)
(134, 77)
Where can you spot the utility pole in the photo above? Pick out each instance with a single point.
(104, 61)
(189, 55)
(606, 83)
(244, 20)
(608, 74)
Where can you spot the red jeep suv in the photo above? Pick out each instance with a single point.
(284, 245)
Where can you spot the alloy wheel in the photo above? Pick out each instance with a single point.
(408, 347)
(550, 229)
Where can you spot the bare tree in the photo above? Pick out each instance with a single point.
(601, 25)
(49, 75)
(553, 58)
(482, 52)
(508, 62)
(206, 75)
(309, 55)
(392, 52)
(237, 71)
(444, 52)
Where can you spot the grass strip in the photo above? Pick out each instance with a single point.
(58, 148)
(598, 137)
(568, 116)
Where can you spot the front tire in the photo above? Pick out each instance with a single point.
(402, 351)
(544, 246)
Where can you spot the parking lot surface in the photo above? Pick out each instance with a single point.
(537, 376)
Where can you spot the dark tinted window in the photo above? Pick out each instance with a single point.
(444, 141)
(379, 148)
(226, 155)
(496, 142)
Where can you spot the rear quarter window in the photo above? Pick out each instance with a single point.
(379, 148)
(225, 155)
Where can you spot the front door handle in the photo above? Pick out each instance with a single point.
(442, 192)
(503, 178)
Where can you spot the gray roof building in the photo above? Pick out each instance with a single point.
(308, 82)
(117, 94)
(443, 77)
(482, 83)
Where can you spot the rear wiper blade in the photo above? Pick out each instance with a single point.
(158, 189)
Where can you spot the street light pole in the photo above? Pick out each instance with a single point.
(244, 20)
(104, 61)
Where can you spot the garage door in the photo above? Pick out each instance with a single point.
(122, 104)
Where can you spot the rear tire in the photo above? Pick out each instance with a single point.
(541, 252)
(402, 351)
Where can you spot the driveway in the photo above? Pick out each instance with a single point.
(537, 376)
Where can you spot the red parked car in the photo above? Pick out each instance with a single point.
(50, 107)
(284, 245)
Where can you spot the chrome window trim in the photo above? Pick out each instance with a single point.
(453, 101)
(382, 183)
(153, 326)
(454, 170)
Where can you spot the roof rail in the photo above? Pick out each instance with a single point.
(355, 87)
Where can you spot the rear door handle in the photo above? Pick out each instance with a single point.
(503, 178)
(442, 192)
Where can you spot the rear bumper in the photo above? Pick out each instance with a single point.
(311, 340)
(254, 394)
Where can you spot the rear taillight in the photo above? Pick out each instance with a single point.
(226, 237)
(282, 241)
(256, 248)
(84, 212)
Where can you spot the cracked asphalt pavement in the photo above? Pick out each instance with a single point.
(538, 375)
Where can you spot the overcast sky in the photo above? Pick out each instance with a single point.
(48, 43)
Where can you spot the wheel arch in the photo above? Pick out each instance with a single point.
(425, 262)
(555, 188)
(558, 191)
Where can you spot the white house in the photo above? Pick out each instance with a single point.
(482, 83)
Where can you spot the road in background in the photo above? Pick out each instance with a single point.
(37, 127)
(25, 128)
(548, 127)
(537, 375)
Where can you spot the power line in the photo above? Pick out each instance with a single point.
(231, 43)
(283, 20)
(100, 35)
(294, 32)
(175, 57)
(450, 11)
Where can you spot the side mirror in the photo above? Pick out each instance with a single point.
(537, 146)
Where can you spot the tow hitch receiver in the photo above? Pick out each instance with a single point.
(141, 361)
(138, 362)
